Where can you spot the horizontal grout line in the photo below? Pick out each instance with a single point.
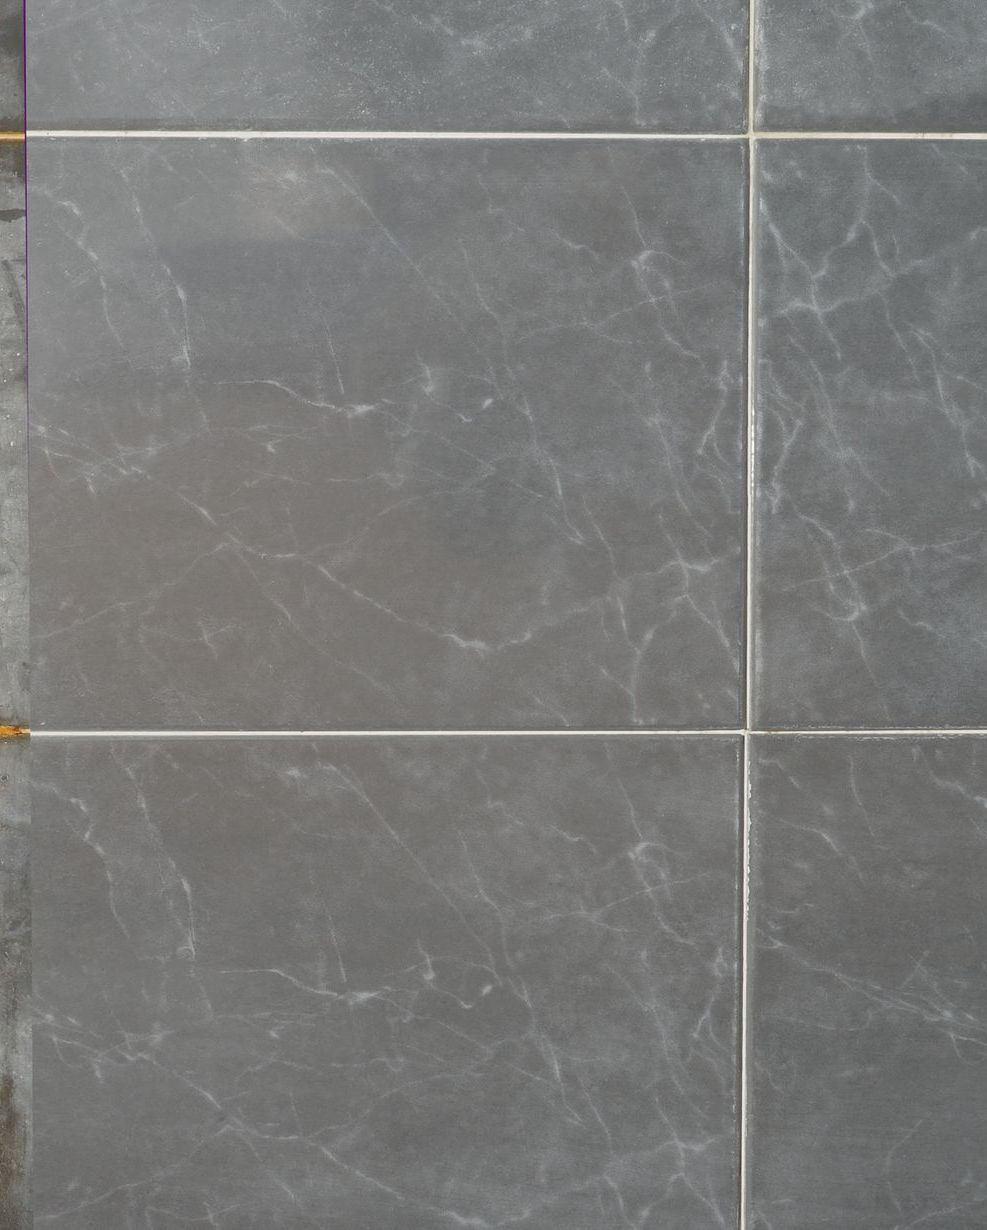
(262, 134)
(735, 732)
(235, 134)
(808, 135)
(871, 730)
(369, 734)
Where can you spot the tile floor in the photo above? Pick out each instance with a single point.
(508, 586)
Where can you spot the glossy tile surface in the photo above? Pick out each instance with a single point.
(881, 66)
(403, 984)
(350, 435)
(338, 64)
(868, 1002)
(871, 537)
(13, 442)
(15, 987)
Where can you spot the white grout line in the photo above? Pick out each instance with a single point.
(751, 66)
(745, 888)
(891, 732)
(887, 732)
(376, 734)
(750, 472)
(808, 135)
(235, 134)
(748, 614)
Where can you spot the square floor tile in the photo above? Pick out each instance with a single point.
(868, 997)
(404, 984)
(13, 442)
(667, 65)
(881, 66)
(870, 553)
(386, 434)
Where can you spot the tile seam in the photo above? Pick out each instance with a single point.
(237, 134)
(748, 709)
(76, 733)
(744, 938)
(862, 135)
(880, 732)
(888, 732)
(749, 443)
(301, 134)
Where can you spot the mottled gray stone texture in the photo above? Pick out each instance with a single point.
(406, 984)
(13, 442)
(672, 65)
(384, 434)
(870, 551)
(879, 65)
(15, 987)
(11, 65)
(868, 996)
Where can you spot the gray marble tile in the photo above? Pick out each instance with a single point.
(15, 987)
(405, 984)
(868, 997)
(13, 442)
(380, 434)
(451, 65)
(878, 66)
(871, 406)
(11, 65)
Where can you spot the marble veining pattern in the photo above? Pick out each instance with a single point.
(871, 532)
(872, 65)
(445, 438)
(595, 65)
(386, 434)
(406, 984)
(868, 1001)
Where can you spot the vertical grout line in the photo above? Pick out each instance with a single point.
(750, 450)
(751, 66)
(749, 457)
(23, 81)
(26, 455)
(27, 417)
(745, 881)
